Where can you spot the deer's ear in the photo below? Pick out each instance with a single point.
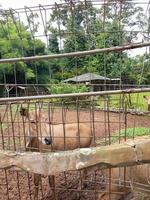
(24, 112)
(145, 97)
(38, 115)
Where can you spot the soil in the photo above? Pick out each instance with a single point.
(68, 186)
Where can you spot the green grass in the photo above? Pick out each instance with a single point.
(133, 132)
(133, 101)
(3, 126)
(129, 133)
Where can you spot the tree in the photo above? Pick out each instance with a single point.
(53, 46)
(17, 43)
(83, 26)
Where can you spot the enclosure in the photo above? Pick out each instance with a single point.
(59, 140)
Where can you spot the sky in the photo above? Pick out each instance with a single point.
(21, 3)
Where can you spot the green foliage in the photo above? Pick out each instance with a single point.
(87, 30)
(134, 101)
(130, 133)
(123, 134)
(53, 44)
(14, 44)
(67, 88)
(133, 132)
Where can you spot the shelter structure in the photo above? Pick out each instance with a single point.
(95, 81)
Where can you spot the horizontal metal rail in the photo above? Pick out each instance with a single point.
(66, 83)
(94, 2)
(77, 54)
(10, 99)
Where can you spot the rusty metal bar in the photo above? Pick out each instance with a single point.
(95, 2)
(139, 90)
(78, 53)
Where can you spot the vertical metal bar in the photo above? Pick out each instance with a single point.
(63, 124)
(78, 122)
(79, 142)
(12, 126)
(104, 54)
(1, 131)
(50, 115)
(29, 185)
(15, 79)
(6, 115)
(95, 181)
(24, 124)
(18, 126)
(6, 178)
(58, 11)
(5, 81)
(93, 121)
(14, 146)
(37, 127)
(108, 121)
(33, 37)
(44, 21)
(66, 185)
(3, 147)
(24, 129)
(105, 119)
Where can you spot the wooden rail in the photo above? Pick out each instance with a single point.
(131, 152)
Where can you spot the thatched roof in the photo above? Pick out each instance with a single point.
(87, 77)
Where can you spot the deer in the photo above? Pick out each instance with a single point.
(148, 102)
(44, 136)
(121, 182)
(119, 189)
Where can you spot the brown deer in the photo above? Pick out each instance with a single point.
(43, 136)
(121, 182)
(148, 102)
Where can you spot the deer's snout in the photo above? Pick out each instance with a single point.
(48, 140)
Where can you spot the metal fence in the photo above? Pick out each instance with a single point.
(34, 119)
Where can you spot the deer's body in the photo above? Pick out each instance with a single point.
(68, 136)
(126, 180)
(148, 102)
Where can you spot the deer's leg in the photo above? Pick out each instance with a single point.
(123, 194)
(37, 178)
(115, 190)
(111, 193)
(148, 107)
(83, 177)
(51, 180)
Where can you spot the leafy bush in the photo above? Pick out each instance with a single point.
(68, 89)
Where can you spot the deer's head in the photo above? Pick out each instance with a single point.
(38, 131)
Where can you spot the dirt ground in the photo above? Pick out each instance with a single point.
(68, 186)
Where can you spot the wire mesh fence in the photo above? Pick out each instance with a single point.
(55, 122)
